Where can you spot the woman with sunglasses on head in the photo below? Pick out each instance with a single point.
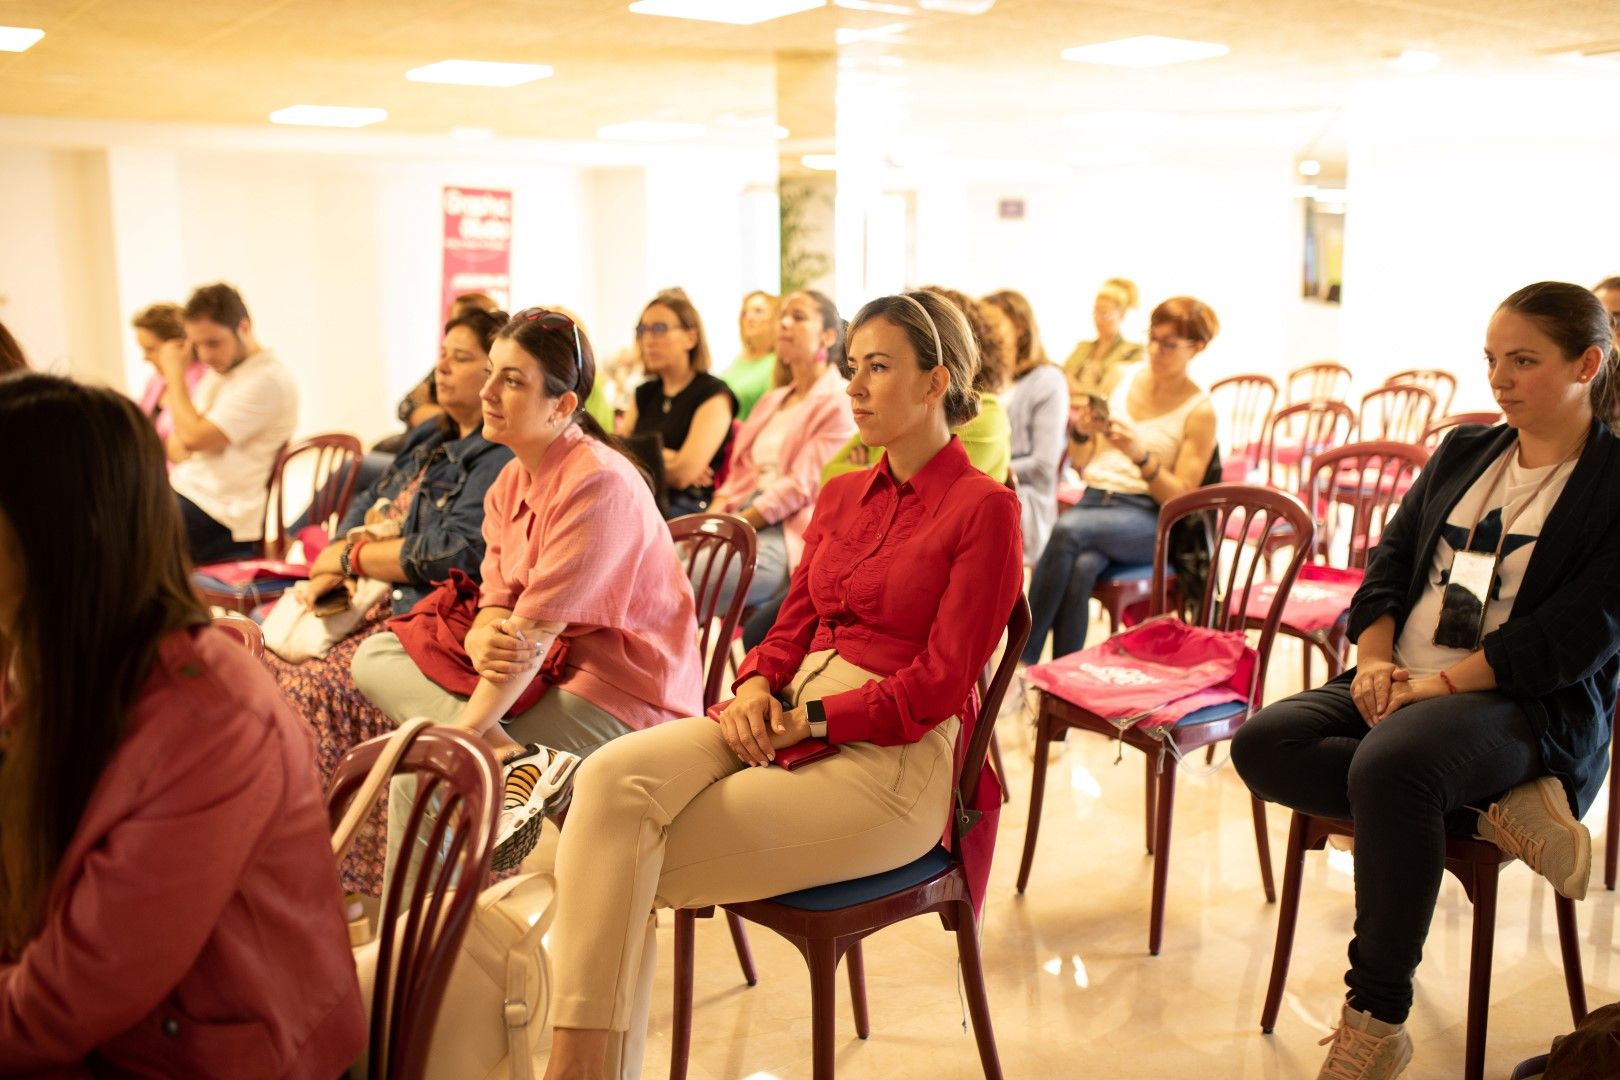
(1148, 442)
(1487, 630)
(683, 403)
(574, 552)
(910, 571)
(168, 901)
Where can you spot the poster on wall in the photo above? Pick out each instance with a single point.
(477, 244)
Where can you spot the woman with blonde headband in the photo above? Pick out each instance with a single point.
(1094, 366)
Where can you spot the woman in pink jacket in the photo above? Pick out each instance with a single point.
(791, 434)
(169, 904)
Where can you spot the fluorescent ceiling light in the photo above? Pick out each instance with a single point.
(1148, 50)
(649, 131)
(1415, 60)
(479, 73)
(735, 12)
(1310, 167)
(18, 38)
(820, 162)
(339, 116)
(871, 5)
(1600, 60)
(1118, 120)
(472, 134)
(958, 7)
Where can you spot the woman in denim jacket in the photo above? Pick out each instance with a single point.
(434, 493)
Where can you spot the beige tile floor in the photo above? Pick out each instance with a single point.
(1073, 991)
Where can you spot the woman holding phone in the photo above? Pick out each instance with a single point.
(1487, 631)
(1150, 441)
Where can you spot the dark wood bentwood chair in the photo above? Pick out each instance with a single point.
(1253, 516)
(1439, 428)
(1322, 381)
(1245, 404)
(827, 923)
(1474, 863)
(424, 916)
(1437, 381)
(243, 629)
(1397, 413)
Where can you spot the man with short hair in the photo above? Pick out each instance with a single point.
(228, 431)
(1608, 291)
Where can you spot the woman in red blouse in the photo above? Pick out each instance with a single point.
(909, 572)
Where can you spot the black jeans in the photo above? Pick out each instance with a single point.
(1406, 783)
(208, 540)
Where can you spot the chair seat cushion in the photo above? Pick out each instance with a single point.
(1223, 710)
(255, 592)
(843, 894)
(1127, 572)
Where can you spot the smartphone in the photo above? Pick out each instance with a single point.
(1098, 406)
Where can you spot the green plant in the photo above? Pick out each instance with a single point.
(800, 265)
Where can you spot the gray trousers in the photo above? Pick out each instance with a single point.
(390, 679)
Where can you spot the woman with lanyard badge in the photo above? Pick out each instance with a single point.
(1486, 632)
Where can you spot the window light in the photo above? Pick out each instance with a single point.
(18, 38)
(478, 73)
(735, 12)
(339, 116)
(1147, 50)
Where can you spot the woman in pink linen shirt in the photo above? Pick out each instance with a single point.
(576, 553)
(157, 327)
(169, 905)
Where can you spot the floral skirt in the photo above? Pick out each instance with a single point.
(322, 691)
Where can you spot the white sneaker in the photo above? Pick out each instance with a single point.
(536, 781)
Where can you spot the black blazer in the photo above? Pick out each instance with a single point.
(1558, 653)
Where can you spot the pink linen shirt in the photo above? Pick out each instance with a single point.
(822, 427)
(152, 398)
(580, 542)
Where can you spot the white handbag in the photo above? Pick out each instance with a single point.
(295, 633)
(499, 992)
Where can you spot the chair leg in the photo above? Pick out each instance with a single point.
(967, 949)
(739, 940)
(856, 963)
(823, 961)
(1262, 845)
(1479, 971)
(1305, 664)
(1611, 834)
(1569, 943)
(1150, 788)
(1037, 792)
(1161, 853)
(1287, 919)
(680, 1036)
(1001, 770)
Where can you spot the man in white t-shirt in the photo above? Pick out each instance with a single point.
(229, 429)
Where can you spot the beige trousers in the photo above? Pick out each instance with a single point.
(669, 817)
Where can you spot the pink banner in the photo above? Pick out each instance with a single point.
(477, 244)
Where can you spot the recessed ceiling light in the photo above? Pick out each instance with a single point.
(820, 162)
(1415, 60)
(1601, 58)
(340, 116)
(1310, 167)
(649, 131)
(479, 73)
(958, 7)
(1118, 120)
(18, 38)
(871, 5)
(1147, 50)
(735, 12)
(472, 134)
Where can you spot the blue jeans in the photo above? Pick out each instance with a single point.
(1104, 528)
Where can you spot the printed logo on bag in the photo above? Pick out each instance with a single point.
(1118, 676)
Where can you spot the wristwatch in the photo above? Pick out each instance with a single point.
(816, 713)
(344, 565)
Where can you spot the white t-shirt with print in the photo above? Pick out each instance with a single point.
(1416, 650)
(255, 405)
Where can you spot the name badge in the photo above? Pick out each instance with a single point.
(1462, 605)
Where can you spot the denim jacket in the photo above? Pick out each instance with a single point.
(445, 526)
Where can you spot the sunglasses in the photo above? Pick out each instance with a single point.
(657, 329)
(552, 320)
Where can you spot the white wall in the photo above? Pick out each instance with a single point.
(1461, 191)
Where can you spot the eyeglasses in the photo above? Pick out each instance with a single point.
(1614, 320)
(1164, 344)
(554, 320)
(657, 329)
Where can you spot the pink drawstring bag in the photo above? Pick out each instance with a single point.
(1320, 596)
(1154, 674)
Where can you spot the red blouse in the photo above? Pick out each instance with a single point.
(912, 581)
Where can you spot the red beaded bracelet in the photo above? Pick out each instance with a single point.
(1451, 687)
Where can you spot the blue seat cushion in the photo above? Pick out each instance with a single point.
(1210, 713)
(843, 894)
(257, 591)
(1127, 572)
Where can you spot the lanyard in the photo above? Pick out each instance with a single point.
(1501, 471)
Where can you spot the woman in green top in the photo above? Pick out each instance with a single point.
(755, 371)
(987, 438)
(1094, 366)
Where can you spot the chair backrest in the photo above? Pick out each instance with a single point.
(1298, 433)
(990, 703)
(1246, 523)
(420, 932)
(1365, 481)
(334, 462)
(243, 629)
(1398, 413)
(1439, 382)
(1438, 429)
(1322, 381)
(710, 545)
(1244, 404)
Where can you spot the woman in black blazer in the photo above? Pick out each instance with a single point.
(1487, 633)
